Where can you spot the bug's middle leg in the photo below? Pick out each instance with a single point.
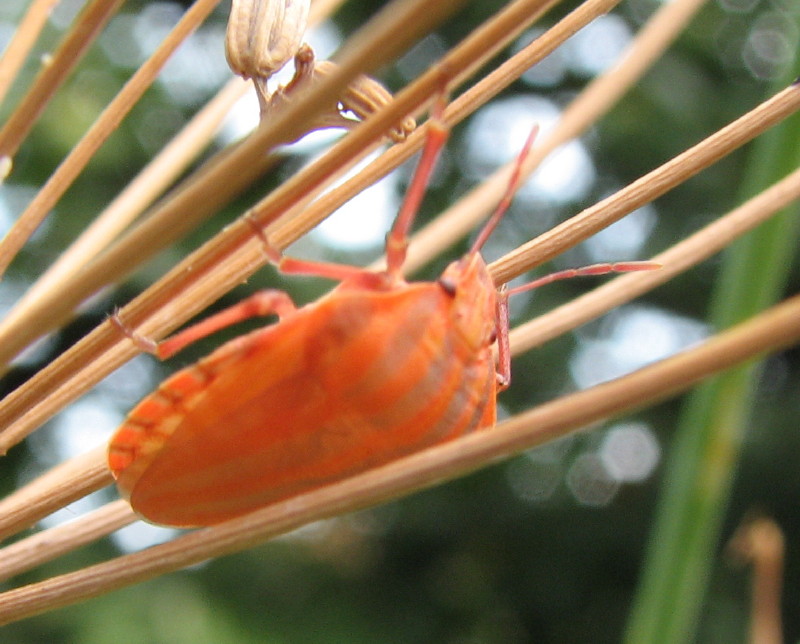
(330, 270)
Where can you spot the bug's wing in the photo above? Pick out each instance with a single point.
(196, 450)
(352, 383)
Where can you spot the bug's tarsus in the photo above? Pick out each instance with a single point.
(142, 343)
(272, 253)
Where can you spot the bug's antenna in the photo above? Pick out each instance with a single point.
(587, 271)
(502, 207)
(397, 239)
(508, 196)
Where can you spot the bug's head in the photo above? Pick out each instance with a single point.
(467, 280)
(468, 283)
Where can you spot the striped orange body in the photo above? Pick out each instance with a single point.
(375, 370)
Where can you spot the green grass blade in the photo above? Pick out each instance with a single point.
(701, 467)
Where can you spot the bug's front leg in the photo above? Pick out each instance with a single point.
(260, 304)
(503, 347)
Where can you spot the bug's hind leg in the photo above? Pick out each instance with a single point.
(260, 304)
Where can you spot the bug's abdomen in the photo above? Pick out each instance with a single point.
(352, 383)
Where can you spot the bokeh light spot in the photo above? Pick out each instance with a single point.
(598, 45)
(494, 138)
(628, 339)
(630, 452)
(590, 482)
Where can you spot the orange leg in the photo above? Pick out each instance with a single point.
(503, 348)
(397, 239)
(329, 270)
(262, 303)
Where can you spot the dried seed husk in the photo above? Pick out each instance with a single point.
(362, 97)
(263, 35)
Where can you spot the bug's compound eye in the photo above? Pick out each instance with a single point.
(448, 285)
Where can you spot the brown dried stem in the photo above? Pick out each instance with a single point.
(226, 261)
(105, 124)
(17, 51)
(675, 260)
(770, 331)
(46, 545)
(649, 187)
(87, 27)
(60, 486)
(24, 505)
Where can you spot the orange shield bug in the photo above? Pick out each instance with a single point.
(377, 369)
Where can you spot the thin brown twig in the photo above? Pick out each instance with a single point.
(693, 250)
(32, 315)
(56, 488)
(106, 123)
(25, 37)
(46, 545)
(218, 262)
(86, 28)
(687, 253)
(772, 330)
(648, 187)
